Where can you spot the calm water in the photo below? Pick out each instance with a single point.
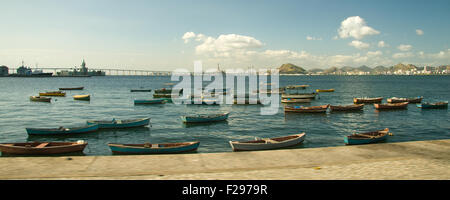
(111, 98)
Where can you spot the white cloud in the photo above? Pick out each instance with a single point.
(403, 55)
(419, 32)
(312, 38)
(382, 44)
(355, 27)
(404, 47)
(374, 53)
(226, 45)
(187, 36)
(359, 45)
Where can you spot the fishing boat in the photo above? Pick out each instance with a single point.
(42, 148)
(353, 107)
(62, 130)
(367, 100)
(140, 90)
(156, 95)
(302, 109)
(292, 87)
(299, 96)
(268, 143)
(149, 101)
(168, 91)
(40, 99)
(391, 106)
(117, 124)
(366, 138)
(86, 97)
(204, 118)
(325, 90)
(401, 100)
(289, 100)
(53, 93)
(75, 88)
(438, 105)
(148, 148)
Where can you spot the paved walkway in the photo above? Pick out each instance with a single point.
(407, 160)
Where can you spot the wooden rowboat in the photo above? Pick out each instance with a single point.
(40, 99)
(302, 109)
(391, 106)
(288, 100)
(117, 124)
(268, 143)
(367, 100)
(401, 100)
(354, 107)
(54, 93)
(82, 97)
(204, 118)
(75, 88)
(299, 96)
(165, 148)
(438, 105)
(62, 130)
(149, 101)
(325, 90)
(42, 148)
(292, 87)
(366, 138)
(141, 90)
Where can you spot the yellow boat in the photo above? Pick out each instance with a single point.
(325, 90)
(55, 93)
(82, 97)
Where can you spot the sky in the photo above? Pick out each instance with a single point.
(172, 34)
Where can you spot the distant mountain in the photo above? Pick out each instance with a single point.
(291, 69)
(403, 67)
(316, 70)
(364, 69)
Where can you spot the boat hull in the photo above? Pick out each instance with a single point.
(325, 90)
(391, 106)
(62, 94)
(119, 124)
(77, 88)
(313, 109)
(442, 105)
(141, 90)
(40, 99)
(356, 139)
(204, 119)
(64, 147)
(65, 131)
(299, 96)
(82, 97)
(401, 100)
(129, 149)
(295, 100)
(244, 146)
(355, 107)
(150, 101)
(367, 100)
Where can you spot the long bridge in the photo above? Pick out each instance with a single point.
(109, 72)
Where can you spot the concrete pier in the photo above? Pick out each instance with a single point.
(393, 161)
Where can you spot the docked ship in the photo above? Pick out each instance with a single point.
(82, 72)
(23, 71)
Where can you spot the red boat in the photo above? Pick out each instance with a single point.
(42, 148)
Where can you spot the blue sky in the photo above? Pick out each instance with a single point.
(235, 34)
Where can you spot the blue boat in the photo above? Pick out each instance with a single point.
(166, 148)
(62, 130)
(438, 105)
(204, 118)
(149, 101)
(366, 138)
(116, 124)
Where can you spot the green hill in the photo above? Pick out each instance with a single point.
(291, 69)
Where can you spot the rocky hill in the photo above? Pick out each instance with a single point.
(291, 69)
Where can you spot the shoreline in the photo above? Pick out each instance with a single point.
(391, 161)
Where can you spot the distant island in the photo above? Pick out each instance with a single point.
(399, 69)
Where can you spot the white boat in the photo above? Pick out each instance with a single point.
(268, 143)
